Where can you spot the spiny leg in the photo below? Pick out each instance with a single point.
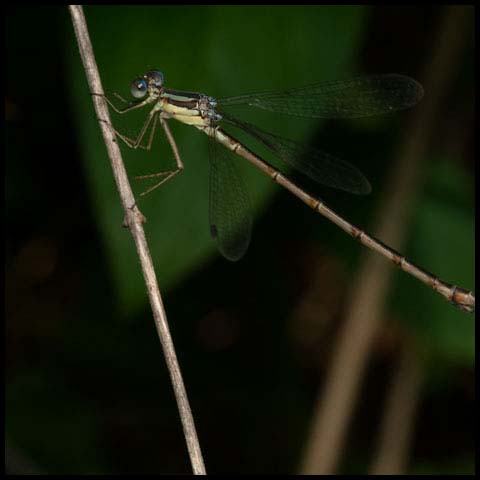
(171, 140)
(152, 132)
(128, 141)
(150, 139)
(126, 102)
(169, 173)
(129, 106)
(135, 143)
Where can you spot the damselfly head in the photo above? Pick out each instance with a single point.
(151, 82)
(155, 76)
(139, 88)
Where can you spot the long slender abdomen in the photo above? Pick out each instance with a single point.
(460, 297)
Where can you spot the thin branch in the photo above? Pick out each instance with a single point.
(134, 220)
(335, 403)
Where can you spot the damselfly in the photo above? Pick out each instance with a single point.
(230, 220)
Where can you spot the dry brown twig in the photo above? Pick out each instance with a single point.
(134, 220)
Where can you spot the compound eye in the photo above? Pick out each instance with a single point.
(157, 77)
(138, 88)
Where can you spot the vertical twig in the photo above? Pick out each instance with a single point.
(398, 419)
(334, 405)
(134, 220)
(397, 425)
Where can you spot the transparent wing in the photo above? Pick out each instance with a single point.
(355, 98)
(230, 219)
(315, 164)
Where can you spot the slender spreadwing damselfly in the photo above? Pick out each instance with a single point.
(230, 220)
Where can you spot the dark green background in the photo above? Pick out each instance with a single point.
(86, 386)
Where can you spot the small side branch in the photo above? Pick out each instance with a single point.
(134, 220)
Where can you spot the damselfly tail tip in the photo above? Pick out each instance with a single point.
(463, 299)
